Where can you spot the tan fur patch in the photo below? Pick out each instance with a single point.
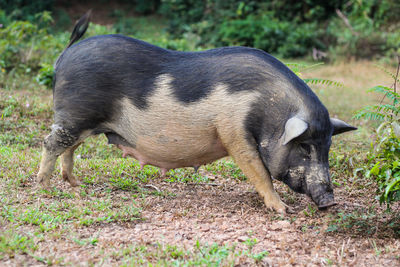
(173, 134)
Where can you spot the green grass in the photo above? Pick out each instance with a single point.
(199, 255)
(365, 222)
(62, 212)
(12, 243)
(225, 168)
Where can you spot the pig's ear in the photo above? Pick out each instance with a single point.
(340, 126)
(294, 127)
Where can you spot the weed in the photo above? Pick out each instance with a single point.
(12, 243)
(124, 183)
(185, 175)
(257, 257)
(310, 211)
(171, 255)
(61, 214)
(225, 168)
(376, 249)
(384, 157)
(365, 222)
(84, 242)
(213, 255)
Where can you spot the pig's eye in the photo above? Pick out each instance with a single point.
(306, 148)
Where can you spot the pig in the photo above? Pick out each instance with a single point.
(174, 109)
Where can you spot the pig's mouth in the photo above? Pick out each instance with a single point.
(324, 201)
(322, 195)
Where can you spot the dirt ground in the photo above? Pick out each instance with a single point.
(225, 212)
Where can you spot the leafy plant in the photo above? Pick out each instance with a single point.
(365, 29)
(24, 45)
(384, 157)
(45, 75)
(257, 257)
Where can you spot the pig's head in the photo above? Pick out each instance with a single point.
(299, 156)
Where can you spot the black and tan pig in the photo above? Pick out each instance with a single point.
(177, 109)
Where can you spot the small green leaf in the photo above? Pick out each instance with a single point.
(390, 186)
(375, 170)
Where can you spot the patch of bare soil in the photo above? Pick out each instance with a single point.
(229, 212)
(232, 212)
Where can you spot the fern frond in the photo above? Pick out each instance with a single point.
(323, 82)
(387, 108)
(313, 65)
(369, 113)
(383, 89)
(387, 91)
(387, 72)
(371, 116)
(296, 65)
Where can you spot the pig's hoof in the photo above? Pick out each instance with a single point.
(70, 178)
(43, 183)
(278, 208)
(324, 206)
(74, 182)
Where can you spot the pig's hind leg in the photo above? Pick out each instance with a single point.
(67, 165)
(57, 142)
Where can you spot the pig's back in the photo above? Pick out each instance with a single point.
(99, 72)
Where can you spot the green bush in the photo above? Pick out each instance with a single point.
(30, 47)
(25, 10)
(291, 29)
(274, 36)
(24, 45)
(45, 75)
(146, 6)
(182, 13)
(4, 19)
(386, 165)
(123, 25)
(384, 157)
(371, 31)
(276, 26)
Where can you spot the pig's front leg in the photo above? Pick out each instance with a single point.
(250, 163)
(247, 158)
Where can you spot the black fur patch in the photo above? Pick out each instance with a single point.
(93, 74)
(266, 120)
(197, 73)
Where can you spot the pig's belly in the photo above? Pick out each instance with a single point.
(170, 152)
(168, 134)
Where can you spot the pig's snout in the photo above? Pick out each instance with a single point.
(322, 195)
